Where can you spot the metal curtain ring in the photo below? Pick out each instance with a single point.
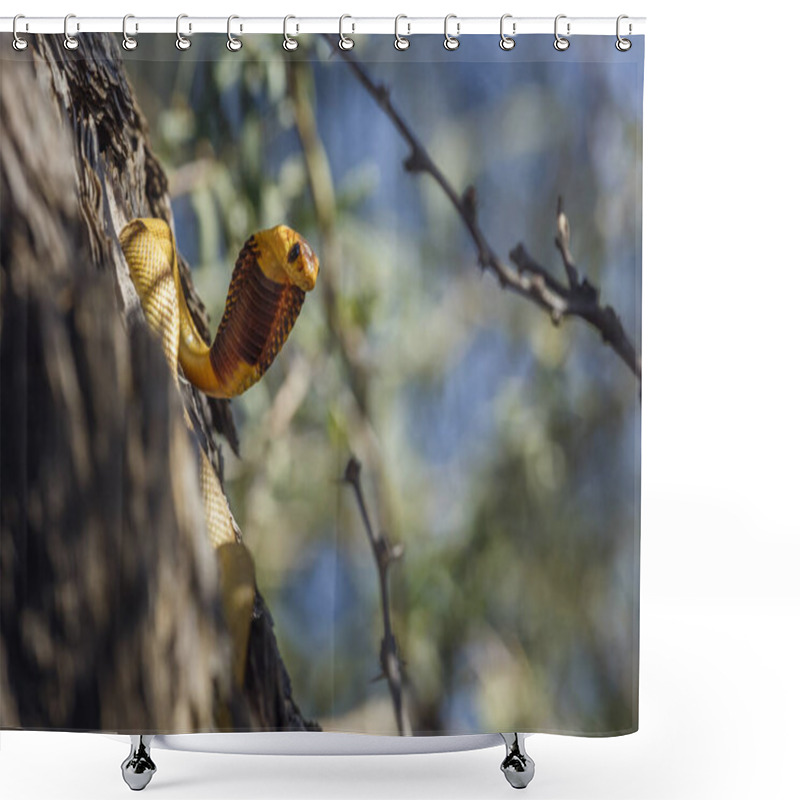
(128, 42)
(451, 42)
(233, 44)
(19, 43)
(506, 42)
(70, 42)
(623, 45)
(288, 42)
(561, 43)
(345, 42)
(181, 42)
(400, 42)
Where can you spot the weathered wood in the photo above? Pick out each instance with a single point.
(110, 617)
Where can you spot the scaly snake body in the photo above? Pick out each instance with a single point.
(274, 271)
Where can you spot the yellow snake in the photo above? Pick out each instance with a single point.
(273, 272)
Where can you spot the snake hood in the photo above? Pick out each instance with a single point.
(273, 272)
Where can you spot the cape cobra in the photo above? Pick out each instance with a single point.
(274, 271)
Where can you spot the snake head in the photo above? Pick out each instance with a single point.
(286, 257)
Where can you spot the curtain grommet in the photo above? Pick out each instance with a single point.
(233, 44)
(181, 42)
(18, 43)
(507, 42)
(561, 43)
(622, 44)
(401, 42)
(345, 42)
(289, 43)
(451, 42)
(129, 42)
(70, 42)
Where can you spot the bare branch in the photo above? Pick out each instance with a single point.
(530, 279)
(582, 300)
(385, 554)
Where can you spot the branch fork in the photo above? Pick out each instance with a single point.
(385, 555)
(576, 298)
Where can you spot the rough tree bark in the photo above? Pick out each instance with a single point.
(110, 616)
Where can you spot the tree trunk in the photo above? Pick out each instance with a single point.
(110, 616)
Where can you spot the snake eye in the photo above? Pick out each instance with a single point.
(294, 253)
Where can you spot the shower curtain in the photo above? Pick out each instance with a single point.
(399, 494)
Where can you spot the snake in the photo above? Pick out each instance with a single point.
(273, 272)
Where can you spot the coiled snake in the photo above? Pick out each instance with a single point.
(274, 271)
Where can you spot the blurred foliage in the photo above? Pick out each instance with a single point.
(503, 452)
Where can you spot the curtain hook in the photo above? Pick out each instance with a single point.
(451, 42)
(561, 43)
(400, 42)
(233, 44)
(288, 42)
(507, 42)
(70, 42)
(181, 42)
(345, 42)
(19, 43)
(622, 44)
(128, 42)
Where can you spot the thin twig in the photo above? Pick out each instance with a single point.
(346, 339)
(384, 554)
(320, 182)
(530, 279)
(562, 243)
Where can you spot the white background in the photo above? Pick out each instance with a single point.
(721, 439)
